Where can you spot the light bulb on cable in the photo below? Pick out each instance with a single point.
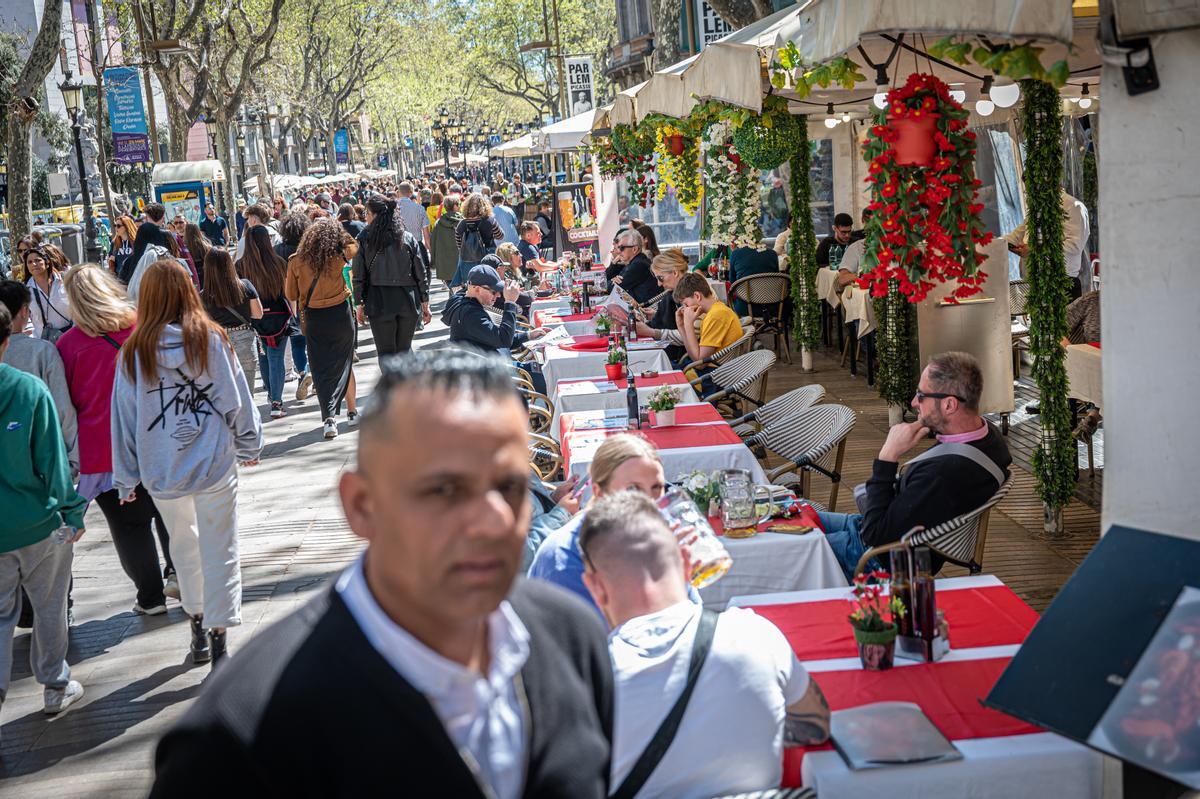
(984, 108)
(881, 87)
(880, 101)
(1085, 101)
(831, 121)
(1006, 96)
(846, 116)
(958, 95)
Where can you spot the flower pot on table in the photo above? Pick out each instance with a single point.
(664, 418)
(914, 144)
(876, 650)
(614, 371)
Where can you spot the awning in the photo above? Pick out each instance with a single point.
(187, 171)
(517, 148)
(472, 158)
(565, 134)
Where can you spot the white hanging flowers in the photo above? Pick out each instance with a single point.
(732, 212)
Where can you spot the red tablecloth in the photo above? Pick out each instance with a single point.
(806, 516)
(545, 318)
(700, 413)
(590, 343)
(662, 438)
(661, 379)
(992, 616)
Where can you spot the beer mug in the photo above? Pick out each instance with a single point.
(738, 508)
(709, 558)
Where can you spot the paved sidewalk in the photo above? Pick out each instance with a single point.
(136, 670)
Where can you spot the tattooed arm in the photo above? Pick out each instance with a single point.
(807, 721)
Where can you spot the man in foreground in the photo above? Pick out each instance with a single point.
(751, 696)
(424, 671)
(968, 465)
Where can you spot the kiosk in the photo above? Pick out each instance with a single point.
(185, 187)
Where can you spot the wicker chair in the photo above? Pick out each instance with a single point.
(741, 379)
(765, 295)
(960, 540)
(782, 407)
(811, 441)
(545, 457)
(734, 350)
(540, 407)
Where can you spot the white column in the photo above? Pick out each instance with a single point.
(1150, 264)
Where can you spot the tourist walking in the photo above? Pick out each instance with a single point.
(182, 419)
(104, 320)
(476, 236)
(50, 312)
(291, 228)
(443, 248)
(315, 283)
(267, 271)
(214, 226)
(198, 245)
(388, 278)
(234, 304)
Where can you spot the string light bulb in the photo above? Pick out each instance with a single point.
(958, 95)
(1085, 101)
(881, 87)
(984, 107)
(830, 121)
(1005, 96)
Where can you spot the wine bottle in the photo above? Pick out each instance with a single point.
(631, 402)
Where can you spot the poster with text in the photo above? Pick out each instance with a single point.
(127, 115)
(712, 27)
(341, 146)
(575, 220)
(581, 90)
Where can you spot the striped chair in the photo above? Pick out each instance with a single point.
(811, 441)
(782, 407)
(734, 350)
(765, 295)
(742, 379)
(776, 793)
(960, 540)
(545, 456)
(540, 407)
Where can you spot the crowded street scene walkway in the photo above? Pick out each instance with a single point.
(723, 401)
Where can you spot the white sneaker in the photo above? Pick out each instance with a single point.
(304, 387)
(155, 610)
(352, 418)
(291, 376)
(331, 430)
(171, 589)
(56, 700)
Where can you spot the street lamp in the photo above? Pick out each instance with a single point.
(210, 124)
(241, 146)
(72, 92)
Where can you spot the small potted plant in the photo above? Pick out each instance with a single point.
(874, 620)
(614, 368)
(705, 491)
(603, 323)
(663, 403)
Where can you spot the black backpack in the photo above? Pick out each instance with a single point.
(473, 246)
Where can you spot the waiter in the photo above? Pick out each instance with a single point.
(1075, 236)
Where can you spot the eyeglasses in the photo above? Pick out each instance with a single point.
(626, 246)
(921, 396)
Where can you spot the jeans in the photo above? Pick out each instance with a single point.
(131, 526)
(204, 547)
(271, 364)
(43, 569)
(842, 531)
(299, 353)
(460, 274)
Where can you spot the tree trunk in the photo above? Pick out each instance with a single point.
(101, 146)
(20, 170)
(666, 32)
(232, 178)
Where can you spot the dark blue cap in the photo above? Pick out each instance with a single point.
(485, 276)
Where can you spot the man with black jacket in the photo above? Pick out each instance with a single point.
(968, 465)
(635, 277)
(426, 669)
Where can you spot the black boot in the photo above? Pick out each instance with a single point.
(200, 650)
(216, 641)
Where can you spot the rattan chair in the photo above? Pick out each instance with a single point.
(735, 350)
(810, 441)
(775, 793)
(545, 456)
(960, 540)
(742, 379)
(540, 407)
(782, 407)
(765, 295)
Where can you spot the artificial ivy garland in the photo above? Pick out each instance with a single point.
(731, 216)
(768, 139)
(1049, 291)
(896, 347)
(925, 228)
(802, 244)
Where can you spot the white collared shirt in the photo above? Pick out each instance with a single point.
(484, 716)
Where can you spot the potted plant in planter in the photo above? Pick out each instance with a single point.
(874, 620)
(663, 402)
(614, 368)
(705, 491)
(603, 324)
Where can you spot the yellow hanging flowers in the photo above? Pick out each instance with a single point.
(679, 167)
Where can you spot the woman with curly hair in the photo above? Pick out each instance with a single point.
(315, 283)
(476, 236)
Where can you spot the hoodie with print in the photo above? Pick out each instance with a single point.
(179, 433)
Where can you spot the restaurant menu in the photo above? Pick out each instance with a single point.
(608, 419)
(1154, 721)
(885, 734)
(557, 335)
(582, 387)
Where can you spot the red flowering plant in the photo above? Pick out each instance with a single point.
(629, 154)
(925, 226)
(871, 611)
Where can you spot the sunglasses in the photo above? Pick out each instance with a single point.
(626, 246)
(922, 396)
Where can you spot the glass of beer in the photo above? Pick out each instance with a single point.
(709, 558)
(737, 503)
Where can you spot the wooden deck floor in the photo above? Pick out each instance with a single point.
(1016, 553)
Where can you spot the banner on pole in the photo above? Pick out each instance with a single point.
(341, 146)
(581, 91)
(127, 115)
(711, 27)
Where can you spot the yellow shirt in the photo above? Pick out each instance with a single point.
(720, 327)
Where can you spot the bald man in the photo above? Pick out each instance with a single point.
(750, 699)
(425, 666)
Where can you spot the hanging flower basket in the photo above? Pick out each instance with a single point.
(731, 218)
(767, 140)
(914, 145)
(676, 144)
(679, 171)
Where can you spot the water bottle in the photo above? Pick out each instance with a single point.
(64, 534)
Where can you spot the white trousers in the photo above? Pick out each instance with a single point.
(204, 549)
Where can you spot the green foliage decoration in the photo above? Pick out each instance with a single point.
(1049, 290)
(766, 140)
(896, 346)
(1016, 61)
(802, 244)
(788, 71)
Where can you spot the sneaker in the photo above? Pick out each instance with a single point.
(277, 411)
(331, 430)
(305, 386)
(216, 642)
(200, 649)
(153, 610)
(291, 376)
(171, 589)
(352, 417)
(56, 700)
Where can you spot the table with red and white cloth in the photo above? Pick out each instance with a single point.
(598, 394)
(1002, 756)
(578, 324)
(1082, 363)
(585, 355)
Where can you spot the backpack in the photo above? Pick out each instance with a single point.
(124, 249)
(153, 253)
(473, 247)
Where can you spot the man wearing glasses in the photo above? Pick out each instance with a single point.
(635, 277)
(832, 248)
(960, 473)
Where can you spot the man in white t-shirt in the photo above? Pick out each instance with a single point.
(752, 696)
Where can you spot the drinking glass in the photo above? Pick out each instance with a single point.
(737, 503)
(709, 558)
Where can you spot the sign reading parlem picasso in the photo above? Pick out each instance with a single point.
(581, 93)
(126, 115)
(341, 146)
(712, 27)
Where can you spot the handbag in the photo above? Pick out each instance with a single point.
(49, 333)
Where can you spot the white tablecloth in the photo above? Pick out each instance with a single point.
(551, 303)
(560, 364)
(859, 308)
(827, 286)
(1084, 375)
(584, 396)
(771, 562)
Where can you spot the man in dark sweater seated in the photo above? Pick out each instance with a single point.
(426, 669)
(959, 474)
(635, 277)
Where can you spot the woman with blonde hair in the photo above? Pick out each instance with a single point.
(182, 420)
(316, 286)
(104, 319)
(476, 236)
(622, 463)
(667, 268)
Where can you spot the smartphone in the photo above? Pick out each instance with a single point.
(579, 489)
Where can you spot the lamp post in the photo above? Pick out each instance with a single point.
(210, 124)
(72, 92)
(241, 146)
(3, 184)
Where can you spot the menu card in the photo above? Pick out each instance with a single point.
(608, 419)
(577, 388)
(885, 734)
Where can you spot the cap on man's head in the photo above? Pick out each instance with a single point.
(486, 276)
(324, 196)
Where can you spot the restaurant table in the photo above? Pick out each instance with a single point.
(551, 317)
(1084, 375)
(559, 363)
(827, 286)
(599, 394)
(859, 312)
(683, 449)
(1002, 756)
(548, 303)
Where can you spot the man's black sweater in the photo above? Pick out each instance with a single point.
(935, 491)
(638, 280)
(469, 323)
(309, 708)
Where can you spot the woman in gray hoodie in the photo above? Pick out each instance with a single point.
(182, 418)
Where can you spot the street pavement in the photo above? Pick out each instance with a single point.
(135, 670)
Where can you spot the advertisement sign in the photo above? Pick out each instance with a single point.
(341, 146)
(581, 92)
(383, 161)
(711, 27)
(127, 115)
(183, 199)
(575, 220)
